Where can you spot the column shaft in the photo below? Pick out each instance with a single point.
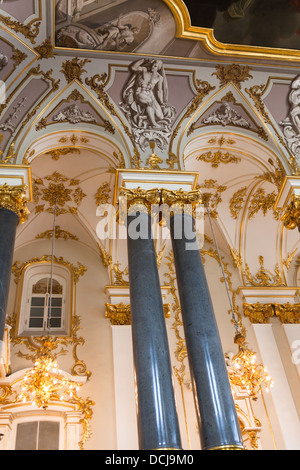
(8, 226)
(157, 418)
(214, 403)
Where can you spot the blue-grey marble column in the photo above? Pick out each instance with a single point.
(158, 426)
(8, 226)
(216, 410)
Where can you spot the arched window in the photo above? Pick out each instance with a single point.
(46, 301)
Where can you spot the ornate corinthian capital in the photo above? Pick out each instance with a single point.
(179, 200)
(14, 199)
(291, 218)
(138, 200)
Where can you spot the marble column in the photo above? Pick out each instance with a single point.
(12, 212)
(215, 406)
(158, 426)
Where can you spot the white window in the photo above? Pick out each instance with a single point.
(46, 301)
(37, 435)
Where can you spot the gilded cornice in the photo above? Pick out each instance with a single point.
(14, 199)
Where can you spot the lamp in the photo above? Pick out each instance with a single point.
(245, 372)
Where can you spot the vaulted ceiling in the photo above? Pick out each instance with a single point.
(64, 113)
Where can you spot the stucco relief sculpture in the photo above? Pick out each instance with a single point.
(225, 115)
(74, 115)
(291, 124)
(145, 103)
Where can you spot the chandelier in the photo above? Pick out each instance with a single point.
(45, 383)
(244, 372)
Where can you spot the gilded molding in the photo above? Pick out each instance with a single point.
(291, 217)
(120, 314)
(259, 313)
(14, 199)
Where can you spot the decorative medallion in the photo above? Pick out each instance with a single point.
(59, 190)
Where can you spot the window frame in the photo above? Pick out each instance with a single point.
(31, 275)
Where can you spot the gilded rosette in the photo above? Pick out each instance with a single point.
(14, 199)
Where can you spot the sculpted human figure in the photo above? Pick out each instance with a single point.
(146, 94)
(294, 99)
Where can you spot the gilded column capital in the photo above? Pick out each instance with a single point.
(288, 313)
(291, 217)
(259, 313)
(14, 199)
(137, 200)
(120, 314)
(180, 200)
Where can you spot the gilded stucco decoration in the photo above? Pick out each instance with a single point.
(103, 195)
(58, 233)
(57, 189)
(264, 277)
(73, 69)
(30, 30)
(120, 314)
(234, 73)
(212, 198)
